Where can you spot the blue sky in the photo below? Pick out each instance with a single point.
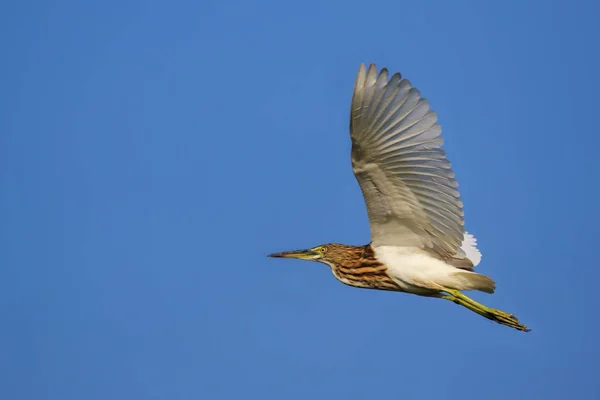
(152, 153)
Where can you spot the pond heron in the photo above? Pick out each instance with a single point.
(418, 241)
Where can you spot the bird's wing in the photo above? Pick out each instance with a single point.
(407, 182)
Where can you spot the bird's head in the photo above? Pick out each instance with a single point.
(330, 254)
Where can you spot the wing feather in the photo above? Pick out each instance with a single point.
(398, 160)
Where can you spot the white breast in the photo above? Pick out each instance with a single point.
(414, 269)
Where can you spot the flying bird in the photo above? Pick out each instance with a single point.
(418, 241)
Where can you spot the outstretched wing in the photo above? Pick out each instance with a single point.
(397, 157)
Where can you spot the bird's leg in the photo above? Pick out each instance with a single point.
(498, 316)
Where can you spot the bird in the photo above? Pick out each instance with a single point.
(419, 244)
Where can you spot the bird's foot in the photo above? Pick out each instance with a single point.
(493, 314)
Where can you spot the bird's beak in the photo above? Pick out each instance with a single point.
(301, 254)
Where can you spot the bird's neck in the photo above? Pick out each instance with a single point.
(359, 256)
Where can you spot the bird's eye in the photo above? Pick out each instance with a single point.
(322, 250)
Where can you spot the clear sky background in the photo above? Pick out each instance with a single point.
(152, 153)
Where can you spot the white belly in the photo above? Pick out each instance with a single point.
(414, 269)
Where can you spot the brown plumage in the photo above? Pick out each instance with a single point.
(357, 266)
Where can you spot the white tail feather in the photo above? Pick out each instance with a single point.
(469, 246)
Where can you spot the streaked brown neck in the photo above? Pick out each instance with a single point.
(357, 266)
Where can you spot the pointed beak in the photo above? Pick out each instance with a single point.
(300, 254)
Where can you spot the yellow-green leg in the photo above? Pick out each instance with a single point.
(490, 313)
